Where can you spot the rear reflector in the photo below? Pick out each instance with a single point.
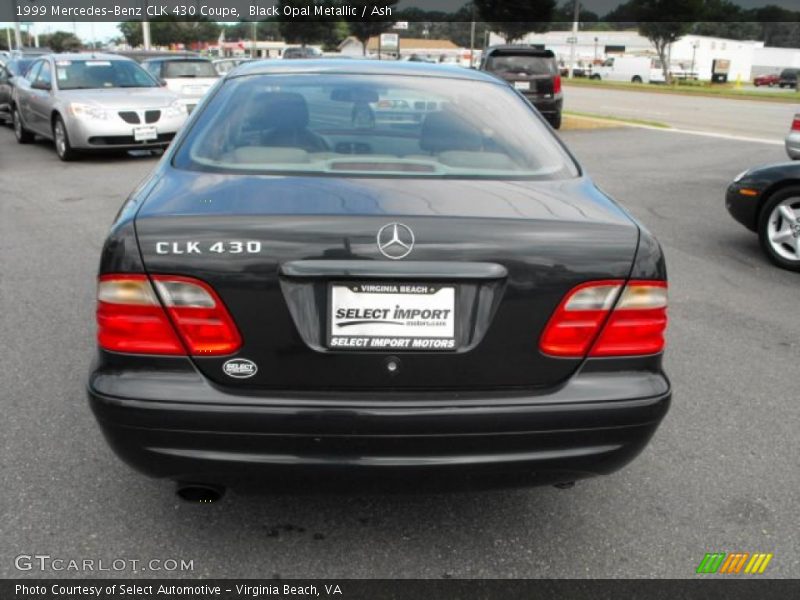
(585, 324)
(131, 318)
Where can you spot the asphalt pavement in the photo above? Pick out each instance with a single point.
(721, 474)
(747, 118)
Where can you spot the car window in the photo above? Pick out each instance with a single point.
(372, 125)
(44, 78)
(154, 68)
(529, 64)
(31, 73)
(97, 74)
(189, 68)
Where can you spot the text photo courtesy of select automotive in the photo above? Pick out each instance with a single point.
(417, 298)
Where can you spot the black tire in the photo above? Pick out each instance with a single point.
(596, 77)
(766, 219)
(23, 135)
(636, 79)
(64, 149)
(555, 121)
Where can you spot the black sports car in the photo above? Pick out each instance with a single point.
(296, 288)
(767, 200)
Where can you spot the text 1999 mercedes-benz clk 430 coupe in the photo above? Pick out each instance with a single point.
(303, 285)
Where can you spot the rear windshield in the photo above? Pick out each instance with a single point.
(96, 74)
(371, 125)
(789, 73)
(189, 68)
(500, 62)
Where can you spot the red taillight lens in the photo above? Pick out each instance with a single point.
(585, 324)
(131, 318)
(557, 84)
(796, 123)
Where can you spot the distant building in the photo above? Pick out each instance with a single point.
(424, 48)
(691, 54)
(774, 60)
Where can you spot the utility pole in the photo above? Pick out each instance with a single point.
(472, 39)
(253, 46)
(576, 5)
(145, 29)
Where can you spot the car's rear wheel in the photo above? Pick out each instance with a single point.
(23, 135)
(779, 228)
(636, 79)
(556, 121)
(61, 139)
(596, 77)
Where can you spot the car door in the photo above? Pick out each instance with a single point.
(41, 100)
(5, 92)
(23, 91)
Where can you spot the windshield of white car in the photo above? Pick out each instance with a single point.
(101, 74)
(189, 68)
(374, 126)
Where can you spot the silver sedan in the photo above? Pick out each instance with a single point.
(94, 102)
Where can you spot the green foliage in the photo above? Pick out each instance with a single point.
(305, 29)
(514, 18)
(61, 41)
(363, 29)
(168, 30)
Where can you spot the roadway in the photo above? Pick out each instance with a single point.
(747, 118)
(721, 474)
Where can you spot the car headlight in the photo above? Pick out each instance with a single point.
(88, 111)
(176, 109)
(740, 176)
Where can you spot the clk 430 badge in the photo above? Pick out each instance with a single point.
(240, 368)
(215, 247)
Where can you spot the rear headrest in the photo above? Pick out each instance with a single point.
(279, 110)
(444, 130)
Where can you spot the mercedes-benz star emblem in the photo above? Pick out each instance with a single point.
(395, 240)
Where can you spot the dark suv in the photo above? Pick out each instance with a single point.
(531, 71)
(788, 78)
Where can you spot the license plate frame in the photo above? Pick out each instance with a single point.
(145, 133)
(430, 329)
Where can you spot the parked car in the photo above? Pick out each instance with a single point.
(94, 102)
(298, 294)
(766, 200)
(14, 68)
(189, 77)
(788, 78)
(769, 80)
(225, 65)
(294, 52)
(635, 69)
(533, 72)
(793, 139)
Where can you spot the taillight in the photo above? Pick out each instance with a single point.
(557, 84)
(132, 319)
(796, 123)
(585, 324)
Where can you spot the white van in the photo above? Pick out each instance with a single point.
(637, 69)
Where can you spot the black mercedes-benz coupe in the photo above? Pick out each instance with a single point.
(373, 267)
(766, 200)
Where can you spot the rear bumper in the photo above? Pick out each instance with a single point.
(577, 432)
(793, 145)
(549, 107)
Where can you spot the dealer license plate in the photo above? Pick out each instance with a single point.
(522, 85)
(144, 134)
(416, 317)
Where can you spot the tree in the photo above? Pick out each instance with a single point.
(369, 26)
(304, 28)
(61, 41)
(167, 30)
(652, 15)
(514, 18)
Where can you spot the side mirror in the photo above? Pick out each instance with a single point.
(41, 85)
